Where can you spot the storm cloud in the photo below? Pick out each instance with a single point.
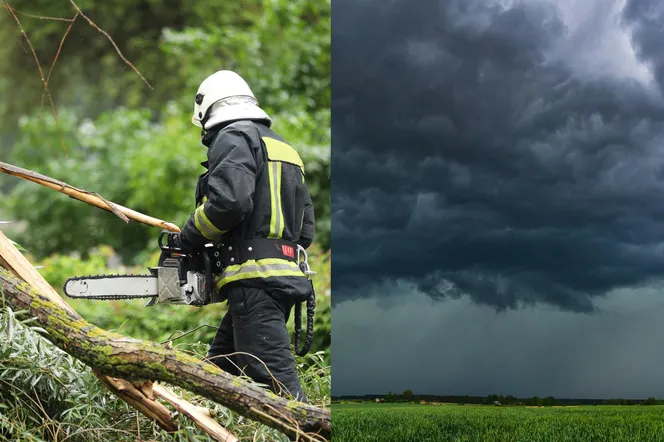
(507, 151)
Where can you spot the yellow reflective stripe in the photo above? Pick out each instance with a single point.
(258, 268)
(280, 151)
(203, 224)
(276, 216)
(203, 200)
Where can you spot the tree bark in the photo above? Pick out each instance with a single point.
(113, 354)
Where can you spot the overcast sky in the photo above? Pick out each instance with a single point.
(498, 197)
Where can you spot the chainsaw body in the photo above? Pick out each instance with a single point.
(178, 279)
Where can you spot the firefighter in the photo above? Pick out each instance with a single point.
(254, 206)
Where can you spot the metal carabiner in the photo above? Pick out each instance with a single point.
(304, 265)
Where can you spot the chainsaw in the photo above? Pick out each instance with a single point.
(178, 279)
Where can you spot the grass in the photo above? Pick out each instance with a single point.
(473, 423)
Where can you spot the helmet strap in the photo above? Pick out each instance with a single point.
(206, 117)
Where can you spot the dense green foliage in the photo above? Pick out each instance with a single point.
(45, 394)
(454, 423)
(280, 46)
(137, 146)
(150, 167)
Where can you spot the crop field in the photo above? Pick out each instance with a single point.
(473, 423)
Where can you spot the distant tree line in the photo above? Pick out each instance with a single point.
(407, 396)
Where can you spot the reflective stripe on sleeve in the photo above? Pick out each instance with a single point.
(203, 224)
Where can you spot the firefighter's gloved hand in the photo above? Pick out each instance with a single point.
(174, 242)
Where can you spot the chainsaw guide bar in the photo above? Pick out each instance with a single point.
(82, 287)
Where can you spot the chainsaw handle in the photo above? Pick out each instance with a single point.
(163, 246)
(167, 246)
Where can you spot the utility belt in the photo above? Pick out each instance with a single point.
(228, 257)
(227, 253)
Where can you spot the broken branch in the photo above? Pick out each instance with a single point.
(122, 212)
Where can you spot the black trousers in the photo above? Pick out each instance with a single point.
(255, 326)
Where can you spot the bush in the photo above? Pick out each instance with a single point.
(129, 159)
(45, 394)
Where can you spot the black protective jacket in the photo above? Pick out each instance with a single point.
(254, 189)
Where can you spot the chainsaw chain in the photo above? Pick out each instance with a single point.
(106, 297)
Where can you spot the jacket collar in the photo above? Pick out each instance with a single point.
(207, 137)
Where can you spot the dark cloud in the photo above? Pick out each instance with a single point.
(507, 154)
(646, 18)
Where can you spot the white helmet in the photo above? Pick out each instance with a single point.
(225, 96)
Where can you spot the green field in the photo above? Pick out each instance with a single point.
(469, 423)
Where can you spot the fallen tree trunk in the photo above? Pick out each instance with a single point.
(113, 354)
(141, 397)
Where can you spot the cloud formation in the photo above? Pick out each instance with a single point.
(508, 151)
